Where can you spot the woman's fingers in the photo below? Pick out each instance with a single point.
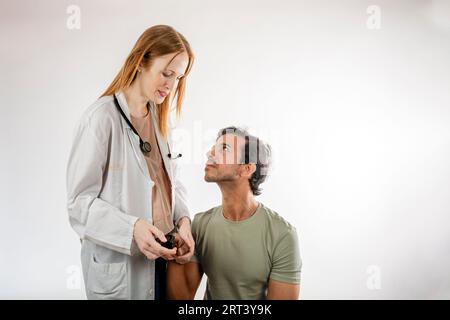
(168, 257)
(186, 252)
(182, 249)
(160, 250)
(149, 254)
(183, 259)
(179, 243)
(152, 249)
(168, 253)
(186, 255)
(188, 240)
(148, 250)
(153, 253)
(158, 233)
(191, 243)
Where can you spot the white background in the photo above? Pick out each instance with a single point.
(358, 119)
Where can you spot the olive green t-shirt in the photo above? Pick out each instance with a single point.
(239, 257)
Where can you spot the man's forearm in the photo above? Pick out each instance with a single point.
(177, 284)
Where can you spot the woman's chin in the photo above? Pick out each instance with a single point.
(159, 100)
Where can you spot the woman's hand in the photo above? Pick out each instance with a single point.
(144, 234)
(185, 243)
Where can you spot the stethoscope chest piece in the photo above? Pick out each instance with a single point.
(146, 147)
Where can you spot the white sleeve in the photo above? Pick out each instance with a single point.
(91, 217)
(181, 204)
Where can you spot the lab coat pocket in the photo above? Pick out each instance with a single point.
(107, 280)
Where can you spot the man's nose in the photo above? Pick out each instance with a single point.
(210, 153)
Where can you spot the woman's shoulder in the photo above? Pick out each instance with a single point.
(102, 112)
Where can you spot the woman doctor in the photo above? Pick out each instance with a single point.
(124, 196)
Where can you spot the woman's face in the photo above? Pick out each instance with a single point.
(159, 79)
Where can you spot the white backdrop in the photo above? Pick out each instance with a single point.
(352, 95)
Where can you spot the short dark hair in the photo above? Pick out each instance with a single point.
(255, 151)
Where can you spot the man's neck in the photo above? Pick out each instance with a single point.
(137, 103)
(238, 202)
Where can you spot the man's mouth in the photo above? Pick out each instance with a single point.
(210, 163)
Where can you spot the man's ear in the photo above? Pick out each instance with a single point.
(248, 170)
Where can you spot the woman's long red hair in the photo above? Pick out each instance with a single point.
(156, 41)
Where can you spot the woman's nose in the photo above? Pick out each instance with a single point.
(170, 84)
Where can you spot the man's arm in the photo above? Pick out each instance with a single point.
(284, 279)
(183, 280)
(278, 290)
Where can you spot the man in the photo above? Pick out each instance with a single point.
(246, 250)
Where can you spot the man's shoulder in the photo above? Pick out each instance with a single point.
(275, 221)
(201, 219)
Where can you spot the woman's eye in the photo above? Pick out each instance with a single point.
(166, 74)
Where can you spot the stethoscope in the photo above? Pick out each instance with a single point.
(145, 146)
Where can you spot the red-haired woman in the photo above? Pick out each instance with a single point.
(124, 198)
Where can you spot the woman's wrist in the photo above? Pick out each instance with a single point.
(183, 220)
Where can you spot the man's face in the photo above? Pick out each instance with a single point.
(224, 159)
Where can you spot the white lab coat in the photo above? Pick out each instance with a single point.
(109, 188)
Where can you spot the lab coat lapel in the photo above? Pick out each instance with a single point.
(132, 137)
(163, 147)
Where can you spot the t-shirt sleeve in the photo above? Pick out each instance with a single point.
(195, 234)
(286, 262)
